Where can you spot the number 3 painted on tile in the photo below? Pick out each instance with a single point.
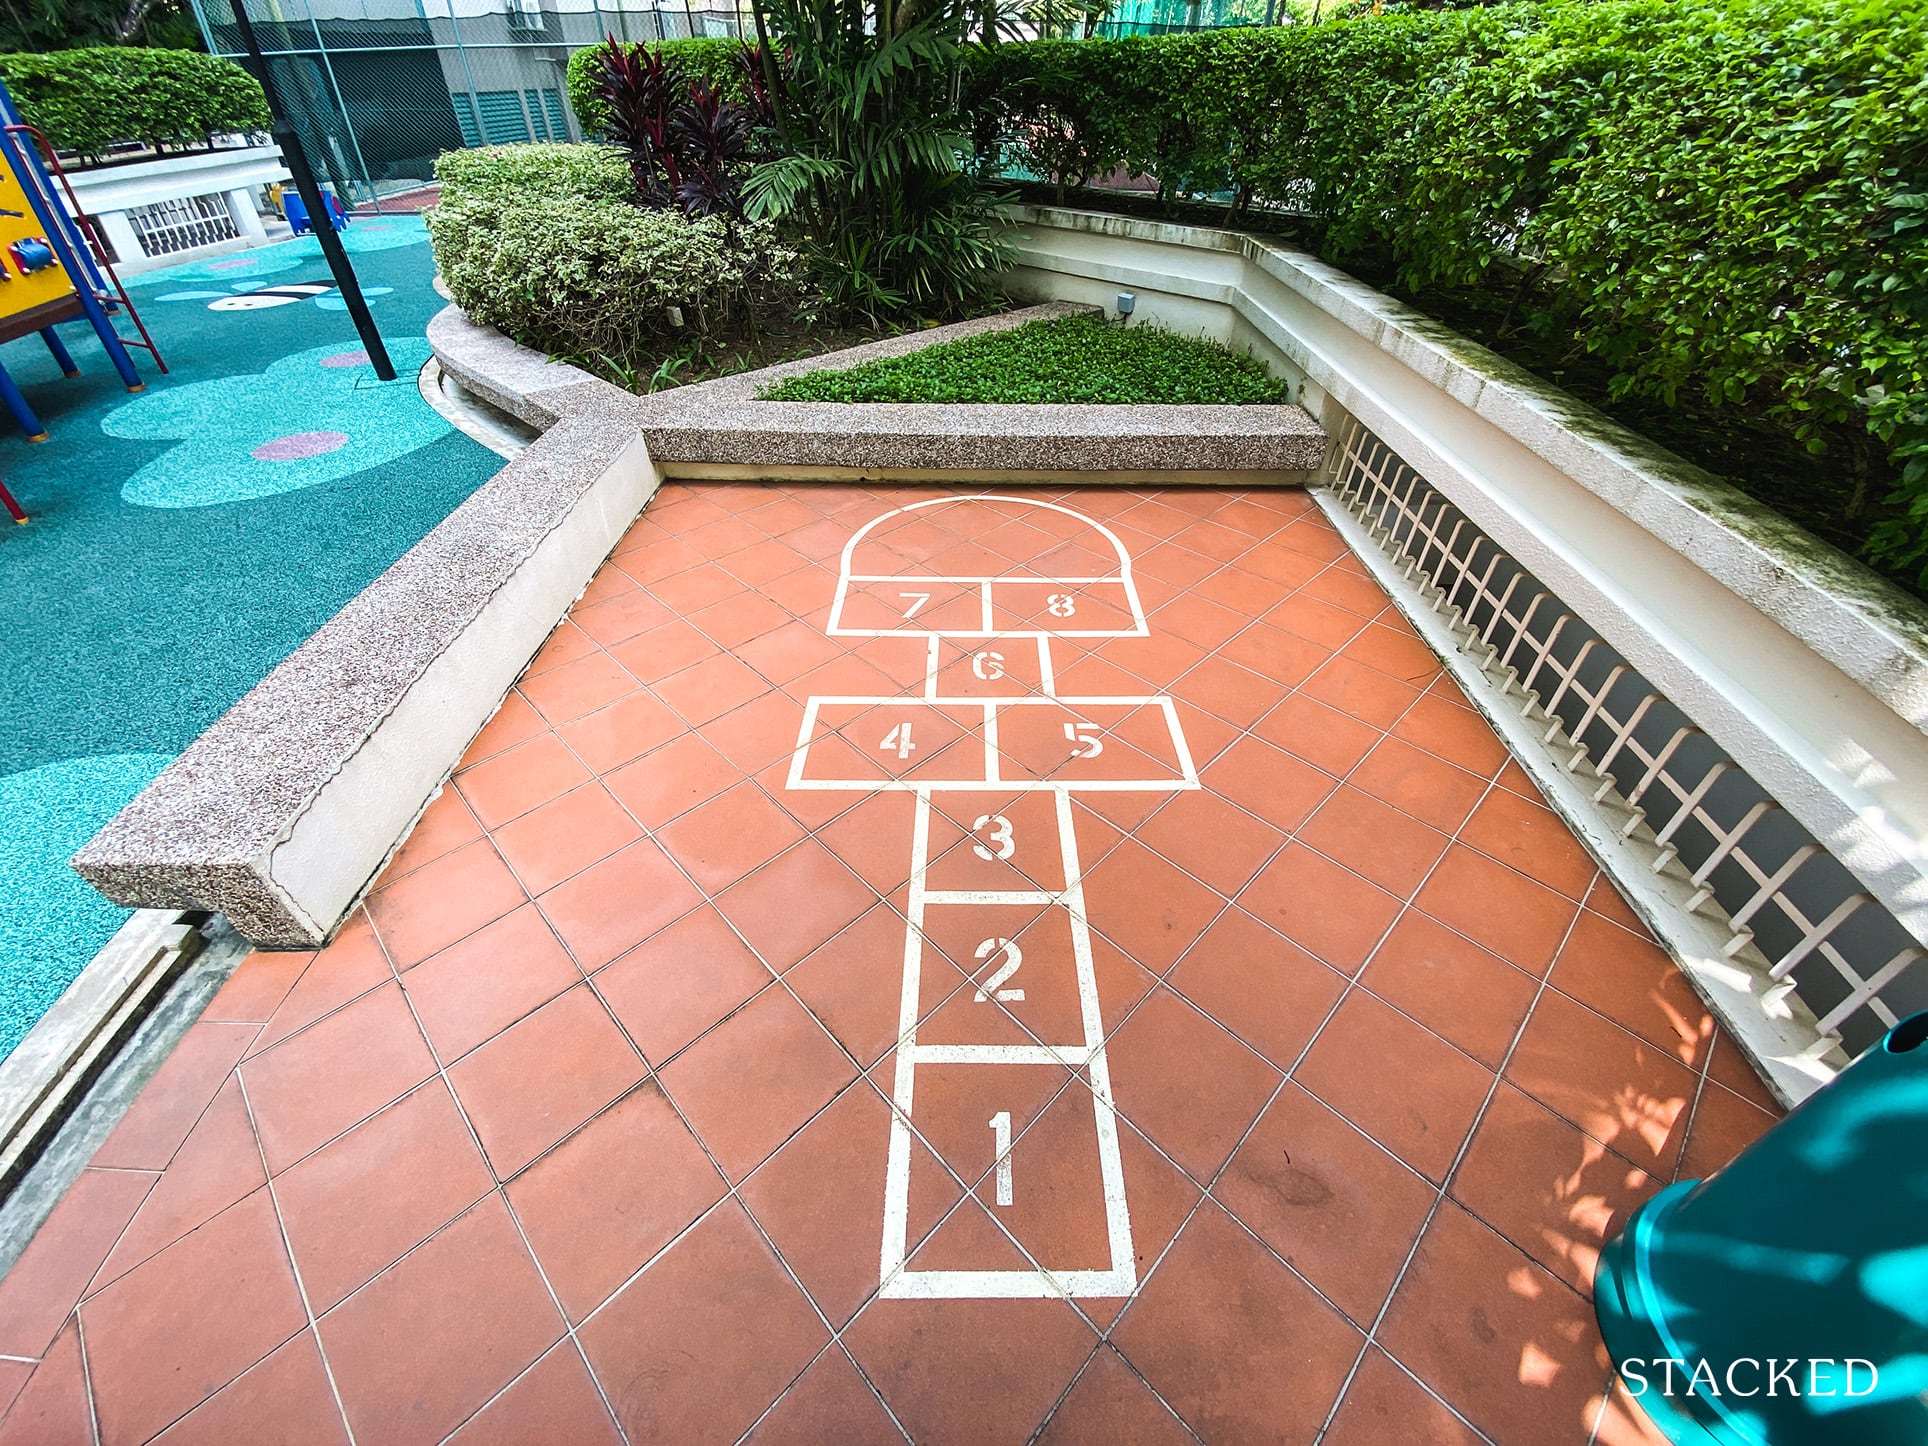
(1000, 839)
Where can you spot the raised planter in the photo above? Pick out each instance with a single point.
(186, 207)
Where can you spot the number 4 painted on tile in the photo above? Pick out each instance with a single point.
(899, 739)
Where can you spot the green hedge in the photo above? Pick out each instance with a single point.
(1725, 200)
(546, 243)
(709, 59)
(88, 100)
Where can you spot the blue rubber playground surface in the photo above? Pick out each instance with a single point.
(185, 540)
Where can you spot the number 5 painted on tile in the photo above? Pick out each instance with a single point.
(1084, 739)
(1001, 1141)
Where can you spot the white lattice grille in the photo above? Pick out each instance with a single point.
(1789, 907)
(182, 224)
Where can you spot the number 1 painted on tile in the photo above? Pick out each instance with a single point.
(1001, 1141)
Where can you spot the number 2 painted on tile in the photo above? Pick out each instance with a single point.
(1013, 957)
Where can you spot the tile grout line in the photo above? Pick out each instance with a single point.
(294, 1266)
(86, 1380)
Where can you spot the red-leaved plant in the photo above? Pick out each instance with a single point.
(688, 147)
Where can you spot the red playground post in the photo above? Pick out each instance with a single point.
(13, 508)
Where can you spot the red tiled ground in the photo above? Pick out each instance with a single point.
(578, 1130)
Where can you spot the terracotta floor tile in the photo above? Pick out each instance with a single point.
(1385, 1406)
(565, 643)
(1401, 1084)
(1188, 1084)
(671, 988)
(1146, 906)
(710, 689)
(13, 1379)
(353, 963)
(1454, 732)
(1326, 1198)
(592, 681)
(473, 990)
(1463, 993)
(1623, 1423)
(174, 1099)
(1241, 1348)
(1615, 1086)
(1261, 986)
(512, 782)
(1415, 782)
(1723, 1125)
(789, 651)
(760, 733)
(334, 1075)
(1604, 899)
(1532, 838)
(1519, 920)
(1324, 737)
(763, 562)
(41, 1289)
(829, 1402)
(1111, 1402)
(1364, 692)
(608, 1198)
(217, 1165)
(1396, 652)
(699, 1345)
(1506, 1344)
(611, 907)
(853, 981)
(1212, 840)
(416, 1158)
(724, 839)
(1321, 907)
(1316, 620)
(445, 825)
(565, 836)
(256, 987)
(620, 618)
(821, 1200)
(1268, 783)
(873, 839)
(1728, 1066)
(285, 1399)
(555, 1400)
(423, 1346)
(539, 1079)
(671, 780)
(1634, 982)
(1236, 694)
(172, 1332)
(52, 1407)
(970, 1371)
(1346, 589)
(794, 903)
(514, 722)
(698, 587)
(1547, 1187)
(428, 910)
(627, 729)
(750, 1083)
(739, 619)
(662, 652)
(1384, 844)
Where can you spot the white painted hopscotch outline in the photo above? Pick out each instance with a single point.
(896, 1280)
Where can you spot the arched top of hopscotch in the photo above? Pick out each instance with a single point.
(1013, 597)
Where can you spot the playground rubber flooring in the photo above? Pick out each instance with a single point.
(184, 540)
(908, 965)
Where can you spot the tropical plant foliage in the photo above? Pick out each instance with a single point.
(714, 60)
(88, 100)
(1071, 359)
(1724, 201)
(687, 144)
(870, 166)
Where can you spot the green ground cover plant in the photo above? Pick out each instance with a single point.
(90, 99)
(1068, 359)
(1717, 208)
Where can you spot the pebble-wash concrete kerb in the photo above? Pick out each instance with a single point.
(284, 811)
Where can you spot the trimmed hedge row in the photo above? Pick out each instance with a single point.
(547, 243)
(1727, 198)
(88, 100)
(710, 59)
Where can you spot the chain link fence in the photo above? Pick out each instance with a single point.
(378, 89)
